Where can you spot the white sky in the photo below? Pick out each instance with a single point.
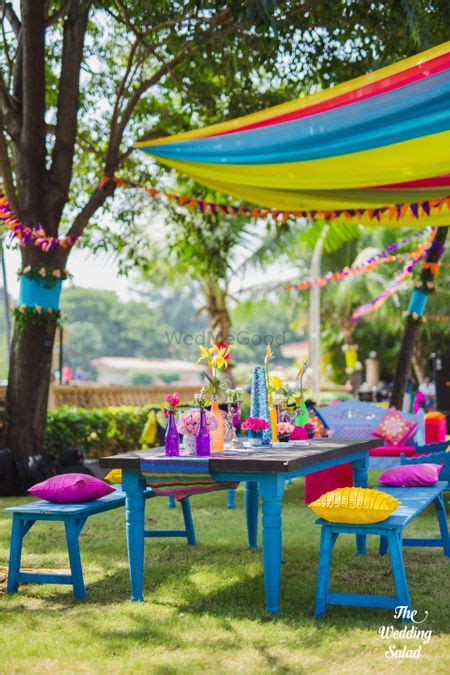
(100, 271)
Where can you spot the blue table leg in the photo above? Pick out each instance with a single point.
(231, 499)
(271, 490)
(134, 485)
(360, 479)
(251, 509)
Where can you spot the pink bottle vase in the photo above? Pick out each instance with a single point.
(171, 437)
(203, 438)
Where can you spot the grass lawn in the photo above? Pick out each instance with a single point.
(204, 605)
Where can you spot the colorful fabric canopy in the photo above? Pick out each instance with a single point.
(379, 140)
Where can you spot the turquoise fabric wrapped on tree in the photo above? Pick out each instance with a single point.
(42, 292)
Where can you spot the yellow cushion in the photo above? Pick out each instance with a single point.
(355, 505)
(114, 476)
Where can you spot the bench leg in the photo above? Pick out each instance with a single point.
(443, 524)
(19, 529)
(171, 502)
(188, 522)
(327, 541)
(73, 529)
(383, 545)
(398, 568)
(231, 499)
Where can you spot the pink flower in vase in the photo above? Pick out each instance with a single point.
(285, 428)
(190, 419)
(255, 424)
(173, 400)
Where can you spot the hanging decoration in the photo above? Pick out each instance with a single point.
(375, 148)
(25, 234)
(344, 273)
(398, 212)
(392, 288)
(351, 357)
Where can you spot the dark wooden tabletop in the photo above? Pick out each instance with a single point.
(277, 459)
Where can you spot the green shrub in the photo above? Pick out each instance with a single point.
(96, 431)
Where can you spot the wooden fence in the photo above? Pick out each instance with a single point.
(102, 396)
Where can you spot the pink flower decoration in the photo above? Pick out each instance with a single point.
(255, 424)
(189, 421)
(285, 428)
(173, 400)
(299, 434)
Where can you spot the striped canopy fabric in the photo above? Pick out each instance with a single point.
(380, 140)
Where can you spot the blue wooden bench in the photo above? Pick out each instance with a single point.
(74, 517)
(413, 501)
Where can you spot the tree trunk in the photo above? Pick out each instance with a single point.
(28, 387)
(411, 331)
(219, 321)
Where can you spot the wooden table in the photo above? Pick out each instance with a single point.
(264, 472)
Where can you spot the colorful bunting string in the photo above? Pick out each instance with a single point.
(380, 258)
(395, 213)
(26, 234)
(392, 288)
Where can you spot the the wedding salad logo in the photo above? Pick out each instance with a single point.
(406, 642)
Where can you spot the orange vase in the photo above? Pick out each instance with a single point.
(217, 436)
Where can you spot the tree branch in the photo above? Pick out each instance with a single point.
(59, 13)
(117, 132)
(68, 100)
(7, 175)
(95, 201)
(32, 169)
(12, 17)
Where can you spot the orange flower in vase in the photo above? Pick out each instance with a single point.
(217, 358)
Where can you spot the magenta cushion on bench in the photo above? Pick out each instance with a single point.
(392, 451)
(412, 475)
(71, 488)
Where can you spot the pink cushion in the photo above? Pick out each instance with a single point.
(71, 487)
(394, 428)
(412, 475)
(392, 451)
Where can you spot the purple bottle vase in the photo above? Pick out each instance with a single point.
(171, 437)
(203, 438)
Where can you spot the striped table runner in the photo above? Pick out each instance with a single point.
(180, 477)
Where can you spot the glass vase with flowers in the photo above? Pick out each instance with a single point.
(217, 359)
(171, 437)
(256, 425)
